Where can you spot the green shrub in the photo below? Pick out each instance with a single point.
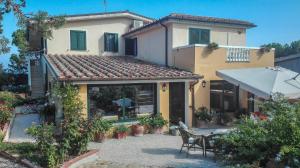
(101, 125)
(144, 120)
(5, 114)
(259, 142)
(8, 98)
(76, 131)
(121, 129)
(202, 113)
(44, 135)
(157, 121)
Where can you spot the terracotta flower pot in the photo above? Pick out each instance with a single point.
(121, 135)
(138, 130)
(157, 130)
(99, 137)
(201, 124)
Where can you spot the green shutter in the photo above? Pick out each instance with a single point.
(116, 44)
(105, 42)
(81, 41)
(111, 43)
(205, 36)
(199, 36)
(73, 37)
(78, 40)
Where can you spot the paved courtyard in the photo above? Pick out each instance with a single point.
(148, 151)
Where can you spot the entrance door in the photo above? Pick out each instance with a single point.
(177, 102)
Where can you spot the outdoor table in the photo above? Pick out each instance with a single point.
(205, 133)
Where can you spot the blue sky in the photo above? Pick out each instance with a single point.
(277, 20)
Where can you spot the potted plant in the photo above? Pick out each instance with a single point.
(100, 127)
(265, 49)
(157, 122)
(203, 116)
(121, 131)
(138, 129)
(212, 46)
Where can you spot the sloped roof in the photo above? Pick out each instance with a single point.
(111, 68)
(200, 19)
(89, 15)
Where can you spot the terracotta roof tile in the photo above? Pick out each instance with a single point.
(111, 68)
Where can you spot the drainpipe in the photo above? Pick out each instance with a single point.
(192, 89)
(166, 42)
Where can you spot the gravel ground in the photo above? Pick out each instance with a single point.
(148, 151)
(4, 163)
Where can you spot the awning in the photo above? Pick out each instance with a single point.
(264, 81)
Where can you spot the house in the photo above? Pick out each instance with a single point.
(291, 62)
(128, 65)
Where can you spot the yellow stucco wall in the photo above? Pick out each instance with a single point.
(83, 98)
(207, 63)
(164, 101)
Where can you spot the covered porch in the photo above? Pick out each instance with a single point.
(123, 88)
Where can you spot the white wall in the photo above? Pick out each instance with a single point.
(151, 46)
(219, 35)
(95, 29)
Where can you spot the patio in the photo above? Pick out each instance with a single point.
(148, 151)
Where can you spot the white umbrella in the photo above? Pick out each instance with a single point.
(264, 81)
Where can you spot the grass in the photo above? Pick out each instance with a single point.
(28, 151)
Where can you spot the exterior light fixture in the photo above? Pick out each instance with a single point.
(203, 83)
(164, 87)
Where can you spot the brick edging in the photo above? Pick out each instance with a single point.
(23, 162)
(69, 163)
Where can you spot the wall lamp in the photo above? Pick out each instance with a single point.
(203, 83)
(164, 87)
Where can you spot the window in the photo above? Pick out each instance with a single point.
(131, 47)
(78, 40)
(199, 36)
(111, 42)
(122, 102)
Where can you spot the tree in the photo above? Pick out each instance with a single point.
(17, 64)
(44, 23)
(286, 49)
(7, 6)
(40, 22)
(19, 40)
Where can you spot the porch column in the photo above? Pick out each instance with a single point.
(83, 97)
(187, 112)
(163, 100)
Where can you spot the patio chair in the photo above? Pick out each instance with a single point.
(208, 143)
(189, 141)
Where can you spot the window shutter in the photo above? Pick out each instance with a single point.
(74, 42)
(205, 35)
(199, 36)
(116, 44)
(105, 42)
(81, 41)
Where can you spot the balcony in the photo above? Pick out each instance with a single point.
(199, 58)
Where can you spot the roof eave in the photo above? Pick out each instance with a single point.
(172, 19)
(135, 81)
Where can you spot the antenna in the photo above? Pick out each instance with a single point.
(105, 5)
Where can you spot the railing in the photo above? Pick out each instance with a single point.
(235, 54)
(34, 55)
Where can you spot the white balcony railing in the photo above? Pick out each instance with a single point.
(236, 54)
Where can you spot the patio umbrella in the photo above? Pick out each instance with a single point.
(264, 81)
